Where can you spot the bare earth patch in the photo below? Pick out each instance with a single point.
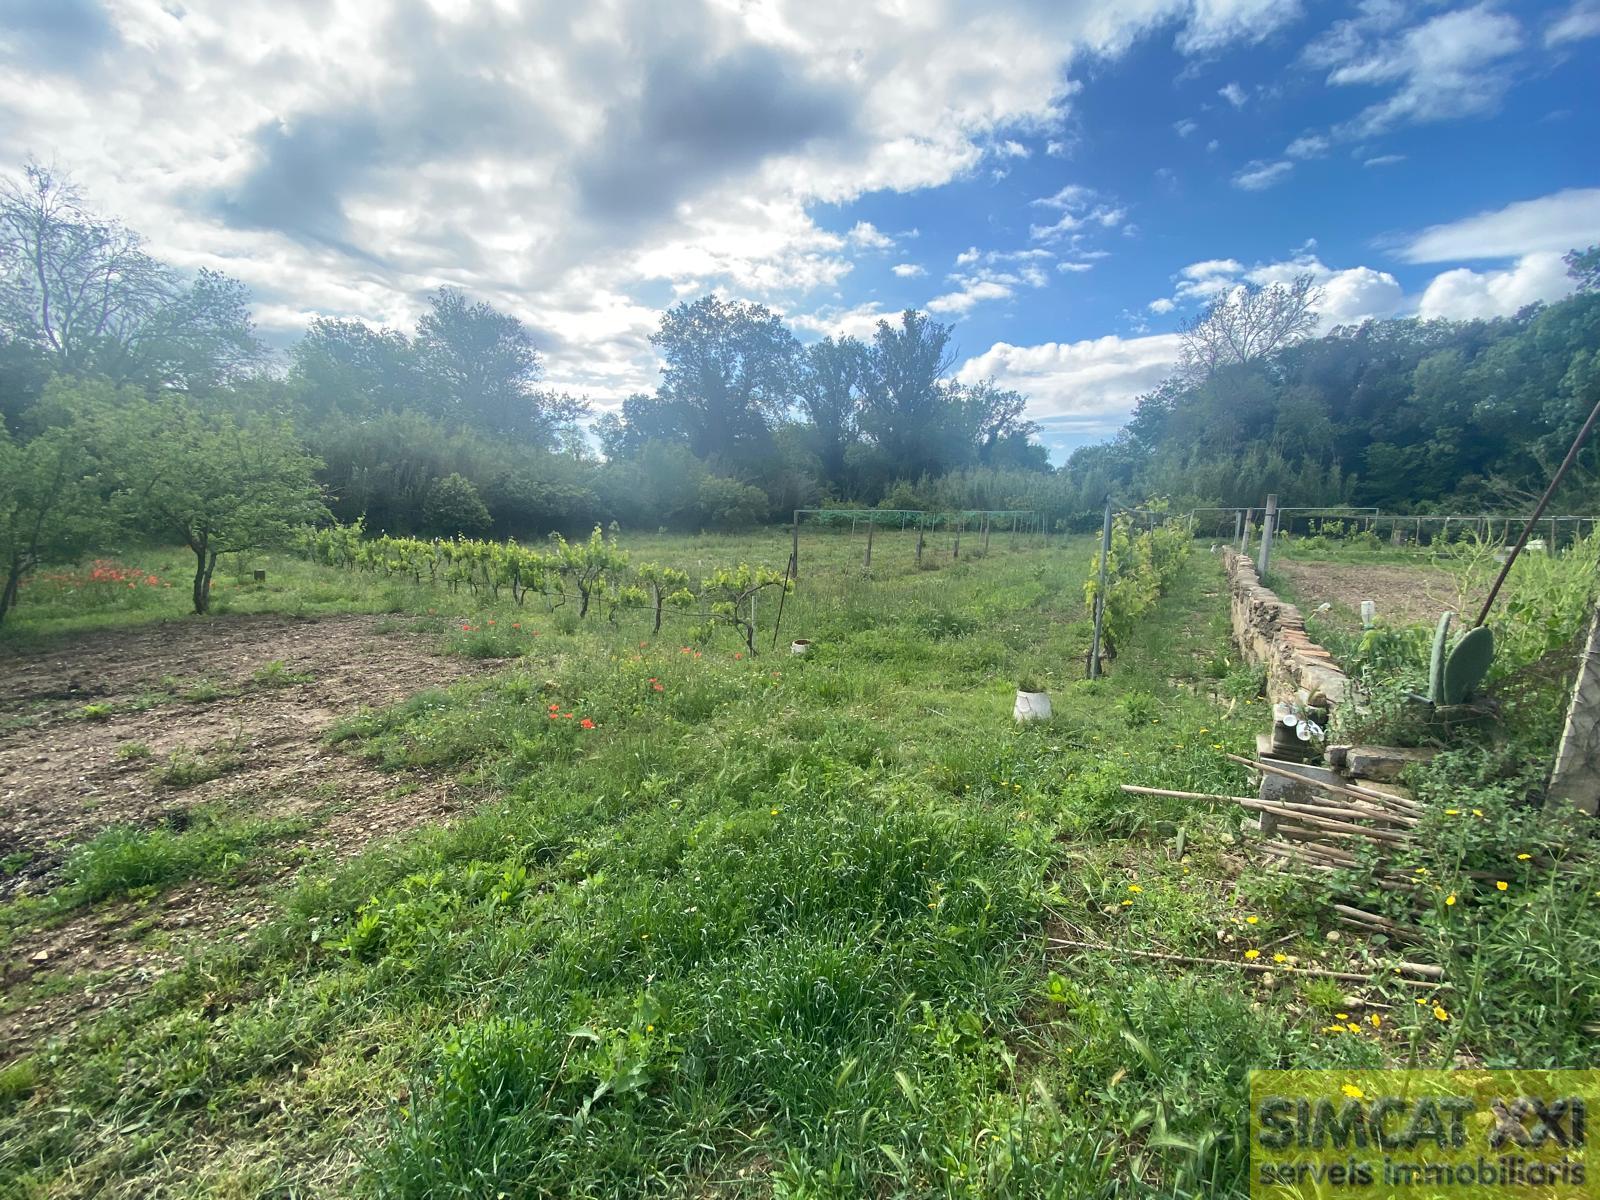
(63, 781)
(1405, 595)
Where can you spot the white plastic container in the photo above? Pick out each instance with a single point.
(1031, 706)
(800, 646)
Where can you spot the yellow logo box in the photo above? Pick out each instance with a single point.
(1423, 1135)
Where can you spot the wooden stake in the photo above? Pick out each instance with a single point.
(1320, 973)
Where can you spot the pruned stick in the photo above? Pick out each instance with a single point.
(1389, 883)
(1195, 960)
(1381, 799)
(1150, 791)
(1387, 836)
(1316, 810)
(1307, 846)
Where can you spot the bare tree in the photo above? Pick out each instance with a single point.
(85, 293)
(1249, 322)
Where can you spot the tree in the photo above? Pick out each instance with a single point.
(482, 367)
(907, 401)
(1247, 323)
(1584, 267)
(84, 291)
(730, 372)
(349, 367)
(218, 483)
(453, 508)
(833, 387)
(51, 507)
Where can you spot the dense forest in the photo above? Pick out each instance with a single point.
(138, 399)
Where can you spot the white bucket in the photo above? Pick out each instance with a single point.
(800, 646)
(1032, 706)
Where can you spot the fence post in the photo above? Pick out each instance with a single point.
(1576, 779)
(986, 533)
(1238, 524)
(919, 541)
(956, 553)
(1100, 593)
(1268, 519)
(1244, 538)
(871, 525)
(794, 548)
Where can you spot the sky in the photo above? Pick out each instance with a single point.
(1063, 181)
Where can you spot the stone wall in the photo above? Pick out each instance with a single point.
(1271, 632)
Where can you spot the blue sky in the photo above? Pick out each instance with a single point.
(1064, 182)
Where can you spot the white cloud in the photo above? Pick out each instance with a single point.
(1074, 268)
(1451, 65)
(1578, 23)
(867, 235)
(1310, 145)
(1210, 268)
(1383, 160)
(1082, 213)
(1216, 23)
(1233, 94)
(860, 321)
(1012, 149)
(1349, 296)
(970, 295)
(1056, 149)
(560, 162)
(1463, 294)
(1212, 146)
(1557, 222)
(1185, 127)
(1161, 305)
(1257, 175)
(1078, 391)
(908, 270)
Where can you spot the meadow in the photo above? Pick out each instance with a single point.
(761, 925)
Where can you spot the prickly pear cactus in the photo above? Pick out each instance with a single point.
(1436, 663)
(1466, 666)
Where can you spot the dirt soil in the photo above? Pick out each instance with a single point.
(62, 782)
(1405, 595)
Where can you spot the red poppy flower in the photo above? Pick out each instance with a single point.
(489, 622)
(466, 629)
(152, 580)
(586, 724)
(738, 655)
(516, 624)
(652, 679)
(566, 716)
(685, 650)
(659, 688)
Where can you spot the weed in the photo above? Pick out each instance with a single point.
(133, 751)
(276, 674)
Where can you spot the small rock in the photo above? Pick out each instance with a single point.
(41, 955)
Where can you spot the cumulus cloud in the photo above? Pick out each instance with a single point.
(1557, 222)
(1349, 296)
(1185, 127)
(1233, 94)
(1083, 211)
(908, 270)
(1258, 175)
(1078, 391)
(572, 167)
(867, 235)
(1463, 294)
(1161, 304)
(971, 294)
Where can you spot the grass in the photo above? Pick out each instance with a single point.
(772, 926)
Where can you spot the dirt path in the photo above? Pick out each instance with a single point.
(64, 779)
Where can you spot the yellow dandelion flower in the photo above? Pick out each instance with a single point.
(1477, 812)
(1376, 1020)
(1450, 900)
(1127, 903)
(1353, 1027)
(649, 1028)
(1252, 955)
(1421, 871)
(1353, 1092)
(1252, 920)
(1500, 885)
(1439, 1013)
(773, 813)
(1280, 958)
(1135, 888)
(1452, 812)
(1524, 857)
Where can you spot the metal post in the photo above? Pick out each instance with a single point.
(986, 533)
(956, 553)
(871, 525)
(1268, 519)
(1100, 593)
(1244, 538)
(919, 541)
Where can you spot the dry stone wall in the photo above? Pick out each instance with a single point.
(1271, 632)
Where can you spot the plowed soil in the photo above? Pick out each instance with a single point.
(188, 687)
